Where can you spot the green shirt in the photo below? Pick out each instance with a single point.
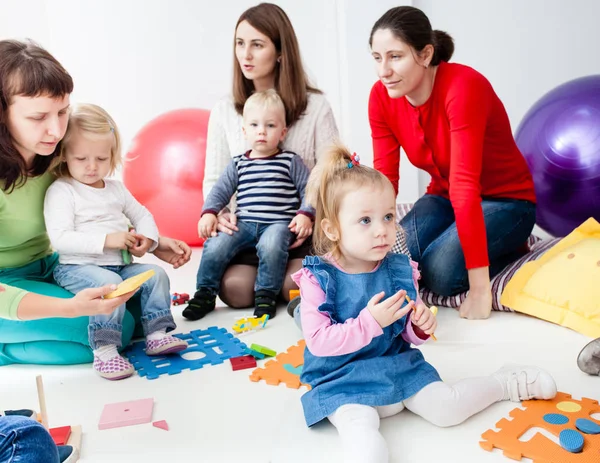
(23, 237)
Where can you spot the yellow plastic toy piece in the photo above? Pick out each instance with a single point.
(250, 323)
(131, 284)
(294, 293)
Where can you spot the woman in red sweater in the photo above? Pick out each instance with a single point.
(479, 208)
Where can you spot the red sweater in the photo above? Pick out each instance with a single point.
(461, 136)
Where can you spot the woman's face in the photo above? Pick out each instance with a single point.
(398, 65)
(256, 56)
(36, 124)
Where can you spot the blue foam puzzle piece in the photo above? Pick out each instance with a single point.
(204, 341)
(571, 440)
(555, 418)
(587, 426)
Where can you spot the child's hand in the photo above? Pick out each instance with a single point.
(301, 225)
(141, 246)
(388, 311)
(424, 319)
(120, 240)
(207, 226)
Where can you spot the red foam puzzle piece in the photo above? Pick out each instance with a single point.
(60, 436)
(243, 362)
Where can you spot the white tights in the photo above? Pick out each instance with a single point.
(438, 403)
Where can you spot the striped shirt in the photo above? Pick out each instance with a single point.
(268, 189)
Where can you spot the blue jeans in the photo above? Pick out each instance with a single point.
(432, 239)
(271, 240)
(23, 440)
(106, 330)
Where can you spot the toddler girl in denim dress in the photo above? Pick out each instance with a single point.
(87, 217)
(360, 331)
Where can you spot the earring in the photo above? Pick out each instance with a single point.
(279, 59)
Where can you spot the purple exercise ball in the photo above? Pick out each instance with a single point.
(560, 138)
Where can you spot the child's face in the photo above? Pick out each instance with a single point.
(264, 129)
(88, 157)
(367, 224)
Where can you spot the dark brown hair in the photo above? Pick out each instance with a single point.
(291, 82)
(26, 69)
(412, 26)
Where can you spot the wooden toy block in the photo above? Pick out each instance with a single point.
(61, 435)
(263, 350)
(294, 293)
(162, 424)
(557, 416)
(285, 368)
(75, 438)
(131, 284)
(126, 413)
(241, 363)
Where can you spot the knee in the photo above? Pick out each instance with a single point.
(444, 273)
(32, 437)
(355, 416)
(110, 278)
(237, 288)
(160, 277)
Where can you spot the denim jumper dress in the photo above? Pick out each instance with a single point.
(386, 371)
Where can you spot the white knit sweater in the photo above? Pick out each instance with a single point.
(315, 130)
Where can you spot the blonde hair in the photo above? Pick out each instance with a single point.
(330, 180)
(89, 119)
(265, 100)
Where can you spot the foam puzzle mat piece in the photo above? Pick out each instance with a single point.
(282, 369)
(205, 342)
(540, 448)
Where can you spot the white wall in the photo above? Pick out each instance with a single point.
(524, 47)
(141, 58)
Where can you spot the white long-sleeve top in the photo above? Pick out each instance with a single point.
(315, 130)
(78, 218)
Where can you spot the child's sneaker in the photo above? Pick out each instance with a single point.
(21, 412)
(265, 302)
(167, 345)
(588, 360)
(291, 307)
(202, 303)
(115, 368)
(525, 383)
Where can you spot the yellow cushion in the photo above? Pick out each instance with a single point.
(562, 286)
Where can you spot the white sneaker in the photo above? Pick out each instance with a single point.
(525, 383)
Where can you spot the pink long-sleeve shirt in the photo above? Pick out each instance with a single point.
(324, 338)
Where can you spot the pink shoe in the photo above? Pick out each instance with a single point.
(116, 368)
(167, 345)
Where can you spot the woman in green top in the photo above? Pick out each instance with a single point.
(39, 321)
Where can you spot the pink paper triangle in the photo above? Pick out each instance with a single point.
(162, 424)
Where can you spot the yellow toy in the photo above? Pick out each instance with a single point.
(131, 284)
(250, 323)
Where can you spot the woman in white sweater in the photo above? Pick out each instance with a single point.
(266, 55)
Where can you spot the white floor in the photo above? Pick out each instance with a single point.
(217, 415)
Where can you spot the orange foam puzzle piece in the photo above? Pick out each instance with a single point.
(539, 448)
(278, 370)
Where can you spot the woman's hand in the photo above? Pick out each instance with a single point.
(90, 302)
(477, 305)
(174, 252)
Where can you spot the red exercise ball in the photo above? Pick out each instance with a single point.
(164, 170)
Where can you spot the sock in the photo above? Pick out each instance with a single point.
(157, 335)
(105, 353)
